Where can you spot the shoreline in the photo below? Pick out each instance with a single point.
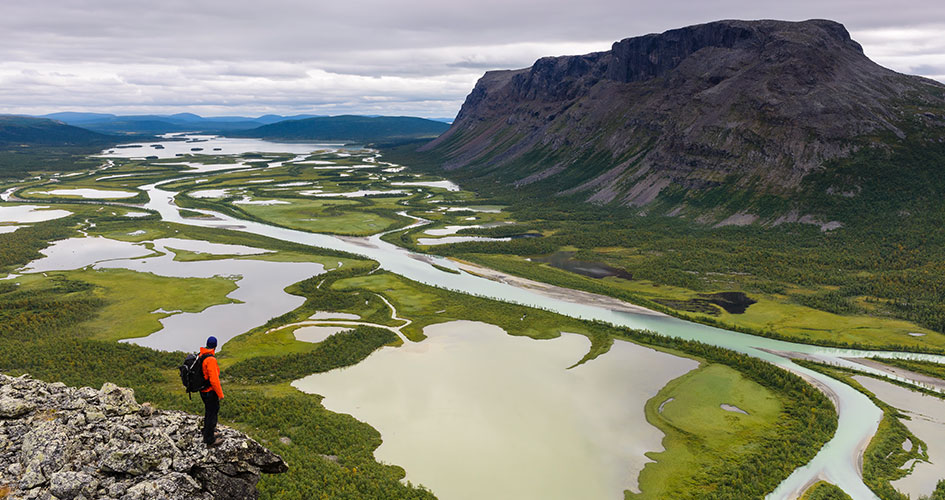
(553, 291)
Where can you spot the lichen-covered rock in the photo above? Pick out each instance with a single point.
(64, 443)
(67, 485)
(14, 408)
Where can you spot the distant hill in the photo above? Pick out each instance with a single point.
(743, 114)
(159, 124)
(350, 128)
(22, 130)
(29, 145)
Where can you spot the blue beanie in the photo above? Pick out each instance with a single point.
(211, 342)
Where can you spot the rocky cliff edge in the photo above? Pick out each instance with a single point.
(59, 442)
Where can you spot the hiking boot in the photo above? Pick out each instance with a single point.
(216, 443)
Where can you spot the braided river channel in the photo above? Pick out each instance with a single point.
(838, 462)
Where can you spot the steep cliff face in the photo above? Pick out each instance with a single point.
(744, 103)
(59, 442)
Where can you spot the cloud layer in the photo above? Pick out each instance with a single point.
(370, 57)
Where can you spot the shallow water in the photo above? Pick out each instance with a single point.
(487, 209)
(927, 422)
(353, 194)
(76, 253)
(445, 231)
(209, 193)
(90, 193)
(227, 145)
(457, 239)
(317, 333)
(206, 247)
(447, 185)
(30, 213)
(476, 413)
(333, 315)
(260, 291)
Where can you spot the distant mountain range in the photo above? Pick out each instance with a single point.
(16, 131)
(747, 114)
(160, 124)
(349, 128)
(297, 127)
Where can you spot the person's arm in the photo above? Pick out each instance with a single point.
(213, 375)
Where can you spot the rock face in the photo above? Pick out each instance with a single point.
(59, 442)
(754, 103)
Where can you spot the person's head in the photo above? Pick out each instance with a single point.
(211, 342)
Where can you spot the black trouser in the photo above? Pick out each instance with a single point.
(211, 404)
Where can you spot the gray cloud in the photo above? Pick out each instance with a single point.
(406, 57)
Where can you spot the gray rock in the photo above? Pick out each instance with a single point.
(169, 487)
(118, 400)
(15, 408)
(59, 443)
(69, 485)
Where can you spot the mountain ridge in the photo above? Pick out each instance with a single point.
(741, 105)
(16, 131)
(349, 128)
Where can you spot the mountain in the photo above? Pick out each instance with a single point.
(77, 118)
(700, 115)
(159, 124)
(22, 130)
(350, 128)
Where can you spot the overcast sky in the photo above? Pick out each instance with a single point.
(395, 57)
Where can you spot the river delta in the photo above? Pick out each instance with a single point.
(463, 400)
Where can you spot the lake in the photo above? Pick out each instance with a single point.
(476, 413)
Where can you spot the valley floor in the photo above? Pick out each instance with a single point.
(721, 421)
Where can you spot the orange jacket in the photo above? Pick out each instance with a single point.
(211, 371)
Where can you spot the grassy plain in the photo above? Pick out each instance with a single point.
(325, 216)
(699, 433)
(131, 297)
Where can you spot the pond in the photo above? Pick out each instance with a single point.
(90, 193)
(30, 213)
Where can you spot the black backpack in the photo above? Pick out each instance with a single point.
(191, 373)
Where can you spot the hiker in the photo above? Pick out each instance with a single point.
(212, 395)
